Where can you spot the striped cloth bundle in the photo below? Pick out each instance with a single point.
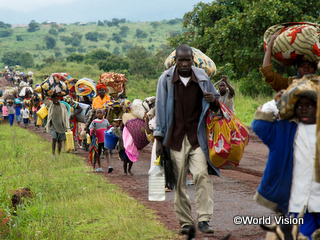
(296, 41)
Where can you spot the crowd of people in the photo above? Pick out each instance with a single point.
(178, 128)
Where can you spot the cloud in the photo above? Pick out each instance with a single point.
(32, 5)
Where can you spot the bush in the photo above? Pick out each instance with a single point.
(92, 36)
(50, 42)
(102, 36)
(254, 85)
(62, 29)
(141, 34)
(6, 32)
(74, 57)
(71, 49)
(19, 38)
(53, 32)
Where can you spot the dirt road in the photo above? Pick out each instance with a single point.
(233, 193)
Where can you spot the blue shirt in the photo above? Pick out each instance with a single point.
(18, 110)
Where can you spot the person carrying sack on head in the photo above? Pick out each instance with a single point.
(184, 94)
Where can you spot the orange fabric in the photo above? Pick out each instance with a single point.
(227, 138)
(98, 102)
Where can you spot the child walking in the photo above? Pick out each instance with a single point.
(25, 115)
(11, 111)
(288, 181)
(127, 163)
(57, 121)
(99, 125)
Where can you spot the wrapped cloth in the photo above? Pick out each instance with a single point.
(139, 107)
(136, 128)
(305, 87)
(26, 92)
(296, 41)
(61, 76)
(84, 87)
(115, 82)
(200, 60)
(227, 137)
(53, 85)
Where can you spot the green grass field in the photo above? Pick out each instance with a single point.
(70, 202)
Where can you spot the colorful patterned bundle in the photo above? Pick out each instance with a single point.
(85, 87)
(53, 85)
(296, 41)
(200, 60)
(227, 138)
(115, 82)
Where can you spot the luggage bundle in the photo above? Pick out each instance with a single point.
(115, 82)
(54, 85)
(26, 92)
(139, 107)
(9, 93)
(296, 41)
(200, 60)
(86, 87)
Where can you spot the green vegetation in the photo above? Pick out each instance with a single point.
(37, 38)
(70, 202)
(231, 32)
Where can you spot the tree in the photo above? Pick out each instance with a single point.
(53, 32)
(49, 60)
(231, 32)
(11, 58)
(155, 25)
(116, 50)
(26, 60)
(95, 55)
(143, 63)
(124, 31)
(33, 26)
(3, 25)
(74, 57)
(113, 63)
(50, 42)
(62, 29)
(92, 36)
(141, 34)
(5, 32)
(19, 38)
(116, 37)
(100, 23)
(102, 36)
(77, 35)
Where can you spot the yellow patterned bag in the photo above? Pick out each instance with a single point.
(227, 138)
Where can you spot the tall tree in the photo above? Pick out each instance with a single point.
(26, 60)
(231, 31)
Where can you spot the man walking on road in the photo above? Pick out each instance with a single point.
(184, 94)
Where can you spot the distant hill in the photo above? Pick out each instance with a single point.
(115, 37)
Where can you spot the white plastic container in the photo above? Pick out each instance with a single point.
(156, 182)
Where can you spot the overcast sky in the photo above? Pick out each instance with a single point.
(71, 11)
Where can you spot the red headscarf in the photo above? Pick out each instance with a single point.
(100, 85)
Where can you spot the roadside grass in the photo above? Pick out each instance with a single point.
(245, 106)
(70, 202)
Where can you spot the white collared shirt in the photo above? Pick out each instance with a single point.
(304, 190)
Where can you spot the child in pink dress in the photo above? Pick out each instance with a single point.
(100, 125)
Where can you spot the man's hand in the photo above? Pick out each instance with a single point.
(209, 97)
(159, 148)
(224, 78)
